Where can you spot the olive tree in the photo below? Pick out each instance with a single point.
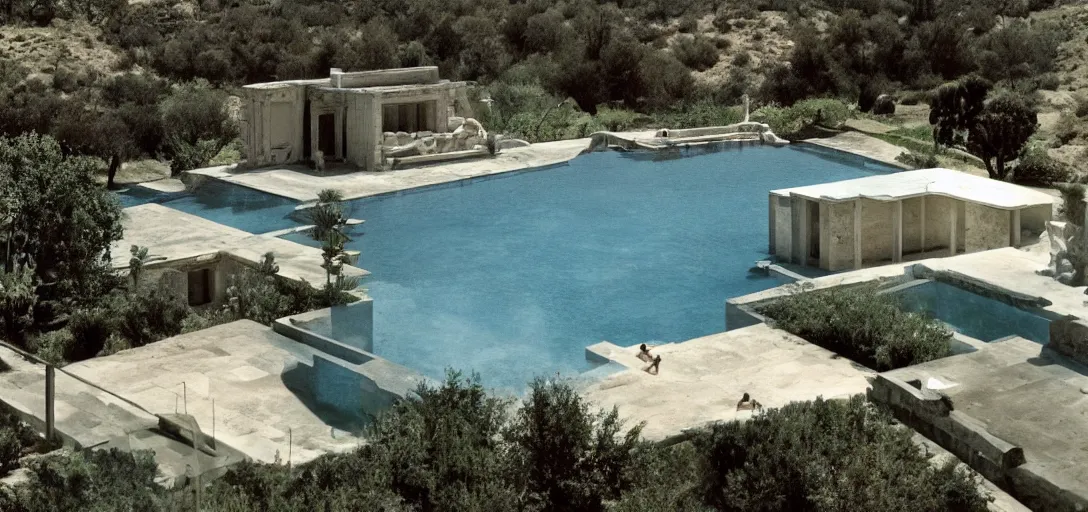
(998, 134)
(55, 218)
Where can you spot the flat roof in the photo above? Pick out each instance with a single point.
(247, 369)
(176, 235)
(908, 184)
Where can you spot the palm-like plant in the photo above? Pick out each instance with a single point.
(136, 265)
(329, 219)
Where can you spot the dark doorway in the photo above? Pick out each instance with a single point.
(307, 145)
(326, 135)
(200, 287)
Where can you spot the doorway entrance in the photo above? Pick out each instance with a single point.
(326, 135)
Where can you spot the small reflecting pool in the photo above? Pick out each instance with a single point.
(974, 315)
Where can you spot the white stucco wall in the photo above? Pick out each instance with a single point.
(985, 228)
(912, 225)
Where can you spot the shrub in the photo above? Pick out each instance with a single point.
(1036, 168)
(53, 345)
(93, 480)
(742, 59)
(786, 121)
(11, 449)
(1067, 129)
(862, 325)
(688, 24)
(90, 329)
(149, 316)
(918, 160)
(817, 455)
(913, 97)
(698, 52)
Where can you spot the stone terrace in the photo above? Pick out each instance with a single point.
(701, 380)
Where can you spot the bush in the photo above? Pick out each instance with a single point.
(862, 325)
(90, 329)
(53, 345)
(913, 97)
(698, 52)
(1036, 168)
(786, 121)
(10, 451)
(827, 455)
(149, 316)
(918, 160)
(93, 480)
(742, 59)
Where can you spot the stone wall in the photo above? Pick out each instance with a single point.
(938, 209)
(912, 225)
(783, 231)
(985, 228)
(932, 415)
(1034, 218)
(1069, 337)
(838, 225)
(876, 231)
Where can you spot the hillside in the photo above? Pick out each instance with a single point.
(643, 62)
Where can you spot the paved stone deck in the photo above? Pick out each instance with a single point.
(864, 145)
(302, 184)
(701, 380)
(247, 369)
(176, 235)
(1026, 395)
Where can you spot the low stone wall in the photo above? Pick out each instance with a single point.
(1035, 490)
(1069, 337)
(933, 415)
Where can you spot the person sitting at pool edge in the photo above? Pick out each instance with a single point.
(654, 366)
(644, 353)
(746, 402)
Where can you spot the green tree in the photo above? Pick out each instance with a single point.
(954, 107)
(826, 455)
(329, 220)
(196, 124)
(998, 134)
(60, 219)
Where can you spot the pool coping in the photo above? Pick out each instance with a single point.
(225, 174)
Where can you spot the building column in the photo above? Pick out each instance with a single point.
(803, 250)
(857, 233)
(50, 397)
(922, 222)
(772, 204)
(897, 231)
(338, 131)
(314, 146)
(952, 230)
(1014, 228)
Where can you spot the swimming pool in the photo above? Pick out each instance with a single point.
(513, 276)
(974, 315)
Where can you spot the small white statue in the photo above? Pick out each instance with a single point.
(319, 161)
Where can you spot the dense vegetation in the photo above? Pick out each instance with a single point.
(861, 324)
(454, 447)
(554, 69)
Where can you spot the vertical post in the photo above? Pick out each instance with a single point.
(772, 205)
(897, 231)
(952, 243)
(922, 221)
(184, 397)
(857, 233)
(290, 444)
(1014, 228)
(804, 242)
(50, 395)
(213, 422)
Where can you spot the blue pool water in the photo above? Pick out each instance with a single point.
(513, 276)
(974, 315)
(232, 205)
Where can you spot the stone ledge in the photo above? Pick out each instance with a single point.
(1040, 493)
(1069, 337)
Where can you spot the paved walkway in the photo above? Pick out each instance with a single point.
(1026, 395)
(702, 380)
(863, 145)
(302, 184)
